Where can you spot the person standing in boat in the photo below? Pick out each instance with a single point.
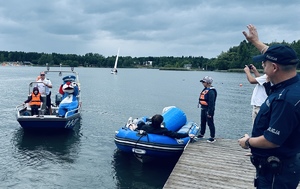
(44, 88)
(207, 100)
(275, 141)
(155, 128)
(35, 101)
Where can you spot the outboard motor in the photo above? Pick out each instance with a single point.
(58, 98)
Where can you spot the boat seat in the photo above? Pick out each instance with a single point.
(58, 98)
(42, 109)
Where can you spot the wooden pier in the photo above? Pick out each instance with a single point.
(221, 165)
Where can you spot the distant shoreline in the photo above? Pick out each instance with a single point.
(237, 70)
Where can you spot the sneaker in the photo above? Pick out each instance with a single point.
(129, 122)
(248, 154)
(200, 136)
(211, 140)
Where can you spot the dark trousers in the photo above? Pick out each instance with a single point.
(209, 121)
(34, 109)
(48, 100)
(287, 178)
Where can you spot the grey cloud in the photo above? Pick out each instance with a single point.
(143, 28)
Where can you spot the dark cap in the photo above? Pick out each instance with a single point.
(280, 54)
(69, 78)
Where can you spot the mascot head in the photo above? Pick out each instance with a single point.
(70, 87)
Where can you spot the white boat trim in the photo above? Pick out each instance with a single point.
(129, 143)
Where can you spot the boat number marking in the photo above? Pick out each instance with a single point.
(71, 123)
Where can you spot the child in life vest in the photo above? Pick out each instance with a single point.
(35, 101)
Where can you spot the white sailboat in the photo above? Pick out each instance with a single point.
(114, 70)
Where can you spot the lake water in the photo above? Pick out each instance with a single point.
(87, 157)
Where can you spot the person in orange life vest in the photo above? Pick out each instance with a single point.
(35, 101)
(207, 100)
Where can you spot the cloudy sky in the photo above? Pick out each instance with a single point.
(142, 27)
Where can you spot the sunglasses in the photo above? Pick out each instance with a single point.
(42, 74)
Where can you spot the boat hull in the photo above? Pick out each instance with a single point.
(48, 122)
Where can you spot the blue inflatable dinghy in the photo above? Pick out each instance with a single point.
(146, 146)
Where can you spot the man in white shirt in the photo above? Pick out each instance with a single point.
(259, 94)
(44, 89)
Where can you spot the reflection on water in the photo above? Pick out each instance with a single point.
(38, 146)
(132, 174)
(40, 159)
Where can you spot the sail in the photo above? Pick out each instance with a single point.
(116, 62)
(114, 70)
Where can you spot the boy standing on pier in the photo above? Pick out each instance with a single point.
(207, 100)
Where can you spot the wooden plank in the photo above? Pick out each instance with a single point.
(222, 164)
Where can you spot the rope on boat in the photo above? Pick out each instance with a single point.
(142, 133)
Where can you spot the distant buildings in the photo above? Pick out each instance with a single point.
(148, 63)
(24, 63)
(187, 66)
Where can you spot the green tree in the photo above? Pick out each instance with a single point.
(45, 58)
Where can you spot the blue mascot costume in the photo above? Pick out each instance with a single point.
(69, 90)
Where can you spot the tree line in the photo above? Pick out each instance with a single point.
(235, 58)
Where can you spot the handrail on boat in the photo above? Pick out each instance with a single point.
(22, 106)
(18, 108)
(66, 115)
(61, 71)
(31, 85)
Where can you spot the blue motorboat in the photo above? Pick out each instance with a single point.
(47, 120)
(146, 146)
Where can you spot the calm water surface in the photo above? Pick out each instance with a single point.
(87, 157)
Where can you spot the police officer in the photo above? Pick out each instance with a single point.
(275, 141)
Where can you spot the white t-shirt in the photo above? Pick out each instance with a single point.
(259, 94)
(43, 88)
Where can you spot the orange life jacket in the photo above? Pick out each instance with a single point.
(203, 99)
(35, 99)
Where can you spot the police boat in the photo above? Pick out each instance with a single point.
(61, 115)
(147, 147)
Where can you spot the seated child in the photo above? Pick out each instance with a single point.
(35, 101)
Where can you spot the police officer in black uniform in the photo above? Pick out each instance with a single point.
(275, 140)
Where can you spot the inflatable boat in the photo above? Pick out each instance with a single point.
(146, 146)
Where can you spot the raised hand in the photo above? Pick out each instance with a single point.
(252, 35)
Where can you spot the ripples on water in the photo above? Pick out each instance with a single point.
(87, 157)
